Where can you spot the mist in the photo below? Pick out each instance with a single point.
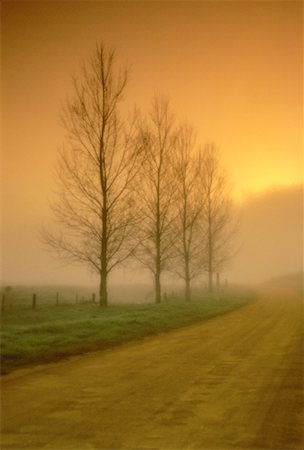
(269, 243)
(270, 237)
(260, 142)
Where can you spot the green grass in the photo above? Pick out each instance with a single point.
(49, 332)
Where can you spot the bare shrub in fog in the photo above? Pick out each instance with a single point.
(94, 206)
(136, 188)
(187, 166)
(218, 218)
(156, 192)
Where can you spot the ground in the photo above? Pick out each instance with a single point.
(234, 381)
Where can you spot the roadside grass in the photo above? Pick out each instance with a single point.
(51, 332)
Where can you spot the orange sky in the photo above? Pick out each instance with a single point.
(233, 69)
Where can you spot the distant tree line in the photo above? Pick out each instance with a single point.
(136, 188)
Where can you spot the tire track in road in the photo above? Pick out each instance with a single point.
(230, 382)
(223, 385)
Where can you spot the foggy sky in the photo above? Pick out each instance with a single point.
(233, 69)
(270, 237)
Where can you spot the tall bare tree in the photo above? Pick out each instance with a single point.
(94, 206)
(187, 167)
(155, 194)
(219, 223)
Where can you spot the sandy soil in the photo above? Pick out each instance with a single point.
(232, 382)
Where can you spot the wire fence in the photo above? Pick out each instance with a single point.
(35, 300)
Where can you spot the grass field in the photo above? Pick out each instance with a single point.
(49, 332)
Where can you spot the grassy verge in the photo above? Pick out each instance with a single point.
(49, 333)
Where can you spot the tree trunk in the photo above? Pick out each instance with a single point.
(187, 282)
(218, 284)
(210, 253)
(103, 299)
(103, 291)
(210, 266)
(210, 279)
(157, 287)
(158, 255)
(157, 272)
(187, 291)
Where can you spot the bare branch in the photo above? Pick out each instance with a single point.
(92, 209)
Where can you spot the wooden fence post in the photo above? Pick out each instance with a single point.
(93, 297)
(57, 299)
(76, 299)
(34, 301)
(3, 302)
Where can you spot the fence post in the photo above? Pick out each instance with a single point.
(34, 302)
(3, 302)
(76, 299)
(93, 298)
(57, 299)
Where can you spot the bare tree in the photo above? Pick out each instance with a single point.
(94, 206)
(187, 166)
(155, 194)
(218, 220)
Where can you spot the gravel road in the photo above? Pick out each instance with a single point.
(234, 381)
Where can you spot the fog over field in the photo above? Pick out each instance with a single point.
(270, 236)
(269, 242)
(253, 114)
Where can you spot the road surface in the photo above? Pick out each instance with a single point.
(234, 381)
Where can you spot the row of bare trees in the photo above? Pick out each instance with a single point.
(136, 188)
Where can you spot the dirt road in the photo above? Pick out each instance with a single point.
(231, 382)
